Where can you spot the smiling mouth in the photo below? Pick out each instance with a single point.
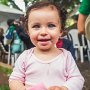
(43, 40)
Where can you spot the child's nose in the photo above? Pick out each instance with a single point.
(43, 31)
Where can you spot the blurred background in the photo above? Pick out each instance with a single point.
(14, 9)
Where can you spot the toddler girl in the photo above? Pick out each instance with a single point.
(45, 65)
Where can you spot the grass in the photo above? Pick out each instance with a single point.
(7, 71)
(4, 87)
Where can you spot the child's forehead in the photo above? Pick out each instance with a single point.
(45, 11)
(41, 14)
(49, 7)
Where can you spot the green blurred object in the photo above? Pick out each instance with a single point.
(4, 87)
(5, 70)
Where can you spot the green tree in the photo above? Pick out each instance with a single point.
(67, 4)
(4, 2)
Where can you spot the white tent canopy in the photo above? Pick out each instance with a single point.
(7, 9)
(8, 13)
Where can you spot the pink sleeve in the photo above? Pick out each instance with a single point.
(75, 80)
(19, 69)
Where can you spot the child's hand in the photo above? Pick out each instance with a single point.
(57, 88)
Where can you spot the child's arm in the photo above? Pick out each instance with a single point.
(16, 85)
(74, 79)
(17, 77)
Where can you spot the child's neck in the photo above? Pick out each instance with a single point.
(47, 55)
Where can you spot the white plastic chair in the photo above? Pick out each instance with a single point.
(88, 49)
(73, 35)
(9, 55)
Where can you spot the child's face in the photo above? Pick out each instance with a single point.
(44, 27)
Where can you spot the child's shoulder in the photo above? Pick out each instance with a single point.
(25, 55)
(65, 52)
(66, 55)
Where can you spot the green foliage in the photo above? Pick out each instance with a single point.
(4, 2)
(67, 4)
(5, 70)
(4, 87)
(69, 22)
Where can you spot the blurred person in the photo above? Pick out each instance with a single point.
(1, 35)
(66, 44)
(84, 11)
(22, 33)
(2, 39)
(16, 43)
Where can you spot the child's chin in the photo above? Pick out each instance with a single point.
(44, 48)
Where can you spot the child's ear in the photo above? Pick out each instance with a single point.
(61, 33)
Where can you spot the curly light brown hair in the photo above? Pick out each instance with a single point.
(38, 5)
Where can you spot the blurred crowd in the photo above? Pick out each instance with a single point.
(18, 30)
